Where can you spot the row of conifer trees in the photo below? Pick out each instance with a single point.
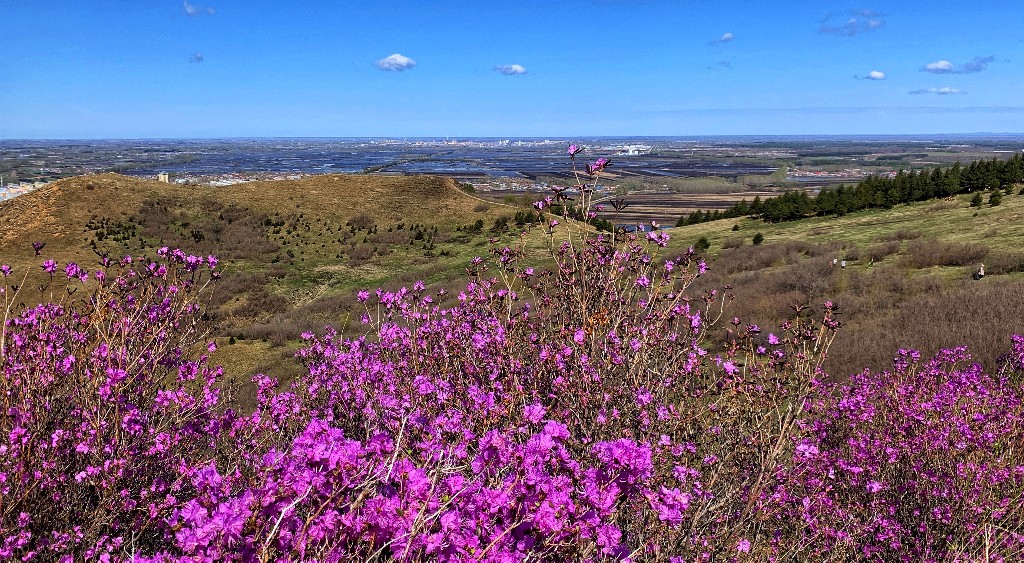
(876, 192)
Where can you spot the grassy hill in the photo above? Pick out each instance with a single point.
(295, 252)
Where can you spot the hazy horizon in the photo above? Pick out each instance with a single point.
(534, 138)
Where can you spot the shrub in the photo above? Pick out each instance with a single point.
(902, 234)
(916, 464)
(732, 242)
(925, 253)
(360, 254)
(104, 402)
(880, 251)
(702, 244)
(361, 222)
(758, 239)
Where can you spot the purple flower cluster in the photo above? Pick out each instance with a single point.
(916, 463)
(100, 406)
(590, 411)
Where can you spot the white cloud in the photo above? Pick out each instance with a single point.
(395, 62)
(193, 11)
(848, 24)
(938, 67)
(944, 91)
(873, 75)
(510, 70)
(725, 38)
(977, 64)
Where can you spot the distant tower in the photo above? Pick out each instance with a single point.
(164, 177)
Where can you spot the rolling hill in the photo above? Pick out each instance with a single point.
(295, 252)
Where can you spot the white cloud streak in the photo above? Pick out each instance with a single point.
(395, 63)
(848, 24)
(944, 91)
(193, 11)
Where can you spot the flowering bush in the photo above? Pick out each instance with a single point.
(917, 463)
(101, 402)
(590, 411)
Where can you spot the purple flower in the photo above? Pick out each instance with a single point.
(49, 266)
(71, 270)
(534, 413)
(574, 149)
(38, 247)
(598, 166)
(743, 546)
(807, 450)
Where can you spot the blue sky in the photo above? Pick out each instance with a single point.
(219, 68)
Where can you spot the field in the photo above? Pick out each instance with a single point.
(667, 208)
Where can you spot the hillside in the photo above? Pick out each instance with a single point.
(294, 252)
(907, 282)
(69, 203)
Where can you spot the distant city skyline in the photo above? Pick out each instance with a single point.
(228, 68)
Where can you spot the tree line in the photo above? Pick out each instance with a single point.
(876, 192)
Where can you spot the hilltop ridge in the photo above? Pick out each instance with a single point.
(61, 210)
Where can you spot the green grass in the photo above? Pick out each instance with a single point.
(948, 220)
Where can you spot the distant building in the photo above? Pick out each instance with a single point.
(163, 177)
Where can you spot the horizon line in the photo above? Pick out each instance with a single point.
(516, 138)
